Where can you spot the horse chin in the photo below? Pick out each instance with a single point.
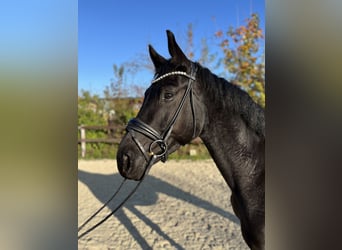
(136, 177)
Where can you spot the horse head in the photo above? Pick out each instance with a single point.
(171, 114)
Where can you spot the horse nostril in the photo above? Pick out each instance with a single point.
(125, 162)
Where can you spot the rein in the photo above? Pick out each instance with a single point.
(152, 160)
(136, 125)
(104, 205)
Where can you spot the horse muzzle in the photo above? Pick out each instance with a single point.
(131, 163)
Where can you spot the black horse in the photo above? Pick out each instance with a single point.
(186, 100)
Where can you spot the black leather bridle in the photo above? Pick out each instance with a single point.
(160, 139)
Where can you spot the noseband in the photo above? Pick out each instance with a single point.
(160, 139)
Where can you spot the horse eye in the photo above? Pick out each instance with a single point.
(168, 96)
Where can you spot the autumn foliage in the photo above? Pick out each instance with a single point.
(243, 58)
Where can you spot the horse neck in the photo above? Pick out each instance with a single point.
(233, 131)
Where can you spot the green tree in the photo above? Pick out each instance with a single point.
(90, 109)
(243, 58)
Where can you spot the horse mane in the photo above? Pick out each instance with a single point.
(234, 99)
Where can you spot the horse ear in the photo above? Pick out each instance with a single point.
(174, 50)
(157, 59)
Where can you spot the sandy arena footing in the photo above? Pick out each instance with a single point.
(180, 205)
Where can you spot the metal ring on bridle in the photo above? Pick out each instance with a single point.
(163, 146)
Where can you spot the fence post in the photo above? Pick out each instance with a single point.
(83, 142)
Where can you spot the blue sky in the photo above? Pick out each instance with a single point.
(113, 32)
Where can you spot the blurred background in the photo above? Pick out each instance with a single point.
(41, 89)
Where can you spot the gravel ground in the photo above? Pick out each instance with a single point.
(180, 205)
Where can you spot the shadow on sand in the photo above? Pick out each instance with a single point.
(146, 195)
